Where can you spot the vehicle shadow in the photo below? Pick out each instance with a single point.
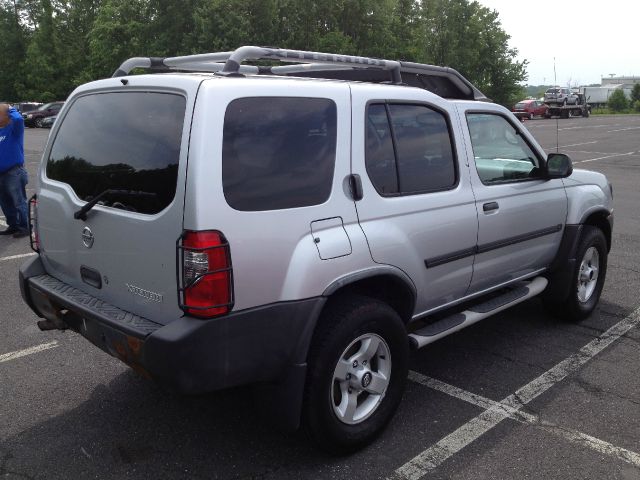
(129, 426)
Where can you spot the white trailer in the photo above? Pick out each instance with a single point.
(598, 96)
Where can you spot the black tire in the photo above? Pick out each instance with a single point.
(344, 320)
(572, 308)
(564, 104)
(39, 123)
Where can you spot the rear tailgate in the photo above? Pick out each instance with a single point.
(132, 140)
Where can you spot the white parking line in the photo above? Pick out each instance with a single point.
(569, 434)
(623, 129)
(436, 454)
(6, 357)
(13, 257)
(588, 126)
(575, 144)
(607, 156)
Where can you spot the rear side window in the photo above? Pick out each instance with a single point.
(278, 152)
(380, 156)
(408, 150)
(125, 141)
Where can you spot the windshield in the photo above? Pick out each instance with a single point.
(125, 141)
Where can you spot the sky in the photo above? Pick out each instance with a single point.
(589, 39)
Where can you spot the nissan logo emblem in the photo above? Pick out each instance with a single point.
(87, 237)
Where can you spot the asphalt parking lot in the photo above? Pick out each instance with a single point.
(520, 395)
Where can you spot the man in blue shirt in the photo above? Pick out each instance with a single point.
(13, 176)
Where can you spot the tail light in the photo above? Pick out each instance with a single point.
(33, 224)
(206, 280)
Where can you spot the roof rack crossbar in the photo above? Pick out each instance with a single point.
(299, 56)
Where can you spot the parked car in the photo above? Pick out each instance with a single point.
(321, 229)
(34, 118)
(24, 107)
(48, 121)
(529, 109)
(560, 96)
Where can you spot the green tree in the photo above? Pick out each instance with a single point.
(51, 46)
(617, 101)
(13, 46)
(43, 79)
(118, 33)
(468, 37)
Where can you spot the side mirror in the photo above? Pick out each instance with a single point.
(559, 165)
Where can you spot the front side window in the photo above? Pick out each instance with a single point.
(501, 154)
(278, 152)
(408, 149)
(125, 141)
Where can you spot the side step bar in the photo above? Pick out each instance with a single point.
(458, 321)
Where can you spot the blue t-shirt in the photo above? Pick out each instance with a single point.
(12, 142)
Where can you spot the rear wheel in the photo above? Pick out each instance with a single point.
(357, 369)
(531, 116)
(587, 278)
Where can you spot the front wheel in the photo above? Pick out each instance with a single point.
(587, 278)
(39, 123)
(357, 369)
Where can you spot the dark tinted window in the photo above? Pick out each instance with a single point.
(123, 141)
(380, 158)
(278, 152)
(423, 145)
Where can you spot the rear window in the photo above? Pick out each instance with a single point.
(552, 90)
(126, 141)
(278, 152)
(521, 105)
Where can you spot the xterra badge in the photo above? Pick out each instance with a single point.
(141, 292)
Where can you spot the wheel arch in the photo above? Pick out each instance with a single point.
(600, 219)
(384, 283)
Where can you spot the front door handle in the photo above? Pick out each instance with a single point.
(488, 207)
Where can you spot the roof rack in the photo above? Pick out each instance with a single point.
(443, 81)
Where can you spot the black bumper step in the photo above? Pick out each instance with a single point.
(90, 307)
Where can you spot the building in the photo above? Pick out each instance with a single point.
(625, 83)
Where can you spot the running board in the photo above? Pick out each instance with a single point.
(458, 321)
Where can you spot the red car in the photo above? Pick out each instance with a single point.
(527, 109)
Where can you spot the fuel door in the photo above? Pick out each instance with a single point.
(331, 238)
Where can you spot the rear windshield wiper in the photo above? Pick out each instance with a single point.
(82, 213)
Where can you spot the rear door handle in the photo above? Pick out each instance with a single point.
(488, 207)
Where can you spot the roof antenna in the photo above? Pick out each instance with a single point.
(555, 80)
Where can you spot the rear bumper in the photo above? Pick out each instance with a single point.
(266, 344)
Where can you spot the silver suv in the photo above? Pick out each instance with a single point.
(301, 226)
(560, 96)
